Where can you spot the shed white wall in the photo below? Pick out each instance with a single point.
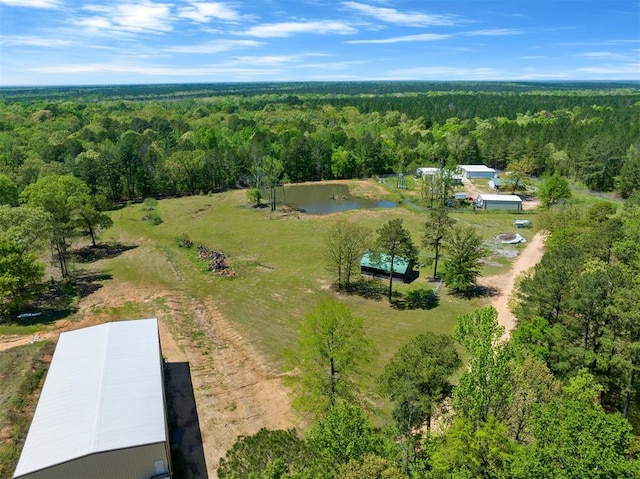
(501, 205)
(479, 174)
(132, 463)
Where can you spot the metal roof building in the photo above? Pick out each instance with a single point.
(498, 202)
(378, 264)
(101, 413)
(477, 171)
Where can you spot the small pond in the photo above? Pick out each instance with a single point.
(318, 199)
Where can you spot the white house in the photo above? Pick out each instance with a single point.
(498, 202)
(433, 171)
(102, 412)
(470, 172)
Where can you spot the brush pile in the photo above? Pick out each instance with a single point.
(217, 261)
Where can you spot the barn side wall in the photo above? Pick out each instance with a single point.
(133, 463)
(502, 205)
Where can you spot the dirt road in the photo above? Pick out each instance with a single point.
(504, 283)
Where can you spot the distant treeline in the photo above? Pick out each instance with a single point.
(136, 141)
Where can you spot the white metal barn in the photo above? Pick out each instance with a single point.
(499, 202)
(470, 172)
(102, 410)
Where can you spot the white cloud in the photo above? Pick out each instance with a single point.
(451, 73)
(142, 69)
(271, 60)
(19, 40)
(632, 70)
(493, 32)
(204, 12)
(142, 16)
(425, 37)
(31, 3)
(606, 55)
(286, 29)
(391, 15)
(216, 46)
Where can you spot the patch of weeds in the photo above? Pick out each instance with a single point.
(151, 216)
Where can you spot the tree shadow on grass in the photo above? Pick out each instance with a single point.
(58, 298)
(417, 299)
(477, 291)
(367, 288)
(90, 254)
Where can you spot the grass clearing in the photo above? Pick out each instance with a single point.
(280, 268)
(22, 372)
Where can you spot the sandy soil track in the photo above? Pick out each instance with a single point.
(504, 283)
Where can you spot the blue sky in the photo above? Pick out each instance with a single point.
(97, 42)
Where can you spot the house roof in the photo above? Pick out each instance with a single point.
(103, 391)
(477, 168)
(382, 262)
(505, 198)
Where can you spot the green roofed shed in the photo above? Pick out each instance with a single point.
(379, 264)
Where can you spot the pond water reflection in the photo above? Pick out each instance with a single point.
(317, 199)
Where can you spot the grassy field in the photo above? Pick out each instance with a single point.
(22, 370)
(280, 267)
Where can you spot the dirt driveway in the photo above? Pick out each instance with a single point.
(504, 283)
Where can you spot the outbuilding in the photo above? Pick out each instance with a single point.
(471, 172)
(379, 265)
(102, 410)
(498, 202)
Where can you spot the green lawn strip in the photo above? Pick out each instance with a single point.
(22, 371)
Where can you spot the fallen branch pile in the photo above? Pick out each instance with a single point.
(217, 261)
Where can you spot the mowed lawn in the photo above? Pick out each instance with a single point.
(281, 268)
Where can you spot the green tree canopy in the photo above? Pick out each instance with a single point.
(576, 439)
(464, 251)
(418, 376)
(395, 240)
(553, 190)
(63, 197)
(332, 346)
(19, 273)
(483, 389)
(345, 244)
(279, 451)
(8, 191)
(436, 229)
(343, 435)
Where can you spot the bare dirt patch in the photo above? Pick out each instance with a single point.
(504, 283)
(235, 393)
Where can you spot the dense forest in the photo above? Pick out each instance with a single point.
(556, 400)
(161, 143)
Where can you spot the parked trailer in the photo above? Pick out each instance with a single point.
(522, 223)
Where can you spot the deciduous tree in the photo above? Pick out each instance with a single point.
(332, 346)
(394, 240)
(63, 197)
(464, 251)
(418, 377)
(345, 244)
(483, 389)
(437, 227)
(343, 435)
(553, 189)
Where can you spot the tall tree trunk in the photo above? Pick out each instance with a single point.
(391, 278)
(333, 382)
